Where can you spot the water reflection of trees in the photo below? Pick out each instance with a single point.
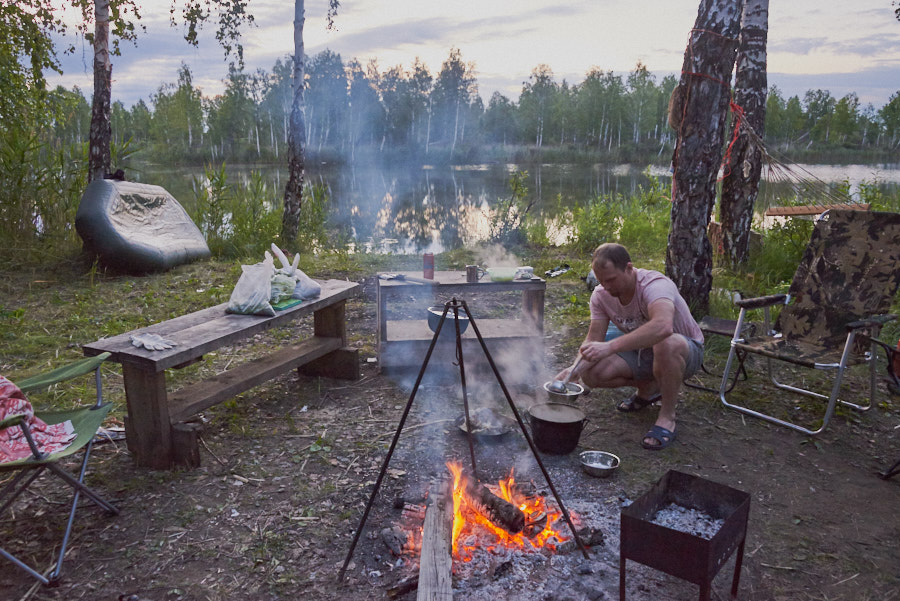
(444, 208)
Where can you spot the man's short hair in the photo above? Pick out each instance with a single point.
(612, 253)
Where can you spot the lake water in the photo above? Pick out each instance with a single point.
(417, 209)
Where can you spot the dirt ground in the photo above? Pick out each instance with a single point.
(288, 468)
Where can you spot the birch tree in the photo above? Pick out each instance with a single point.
(740, 186)
(290, 220)
(704, 91)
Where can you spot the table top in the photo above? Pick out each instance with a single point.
(456, 279)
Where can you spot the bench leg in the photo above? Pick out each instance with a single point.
(342, 364)
(186, 445)
(147, 427)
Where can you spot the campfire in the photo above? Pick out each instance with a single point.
(502, 515)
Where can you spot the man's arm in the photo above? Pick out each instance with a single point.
(659, 327)
(596, 332)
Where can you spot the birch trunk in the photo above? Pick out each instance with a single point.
(708, 61)
(290, 221)
(101, 128)
(740, 186)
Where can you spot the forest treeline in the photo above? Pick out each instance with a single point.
(354, 109)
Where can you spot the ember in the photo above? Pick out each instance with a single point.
(503, 512)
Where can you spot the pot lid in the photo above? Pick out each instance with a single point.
(557, 412)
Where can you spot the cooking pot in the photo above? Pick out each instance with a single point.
(449, 329)
(556, 427)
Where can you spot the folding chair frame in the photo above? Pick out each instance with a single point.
(832, 398)
(39, 462)
(721, 327)
(839, 298)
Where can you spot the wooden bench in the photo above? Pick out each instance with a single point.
(155, 430)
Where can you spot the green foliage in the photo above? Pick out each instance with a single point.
(40, 187)
(244, 220)
(645, 222)
(510, 212)
(639, 222)
(213, 197)
(594, 224)
(313, 233)
(776, 261)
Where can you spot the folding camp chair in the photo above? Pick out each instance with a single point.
(837, 303)
(86, 422)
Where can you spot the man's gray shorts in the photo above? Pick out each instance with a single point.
(641, 361)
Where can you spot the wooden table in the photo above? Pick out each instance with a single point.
(155, 430)
(515, 341)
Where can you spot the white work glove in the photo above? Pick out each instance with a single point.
(152, 342)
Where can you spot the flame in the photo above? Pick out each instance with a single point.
(466, 517)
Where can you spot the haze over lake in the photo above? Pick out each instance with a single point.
(437, 208)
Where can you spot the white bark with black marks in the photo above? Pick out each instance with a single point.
(705, 78)
(740, 186)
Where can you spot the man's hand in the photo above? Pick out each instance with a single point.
(595, 351)
(563, 375)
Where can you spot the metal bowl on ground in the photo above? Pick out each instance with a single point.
(573, 391)
(599, 463)
(434, 318)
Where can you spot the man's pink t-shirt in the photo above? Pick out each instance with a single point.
(651, 286)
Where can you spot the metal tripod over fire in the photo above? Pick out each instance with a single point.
(455, 305)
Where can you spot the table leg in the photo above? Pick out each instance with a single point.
(147, 427)
(533, 309)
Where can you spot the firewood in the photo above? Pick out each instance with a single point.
(435, 562)
(499, 511)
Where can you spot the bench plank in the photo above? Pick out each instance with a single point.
(195, 398)
(208, 329)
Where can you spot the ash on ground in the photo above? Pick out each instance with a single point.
(690, 521)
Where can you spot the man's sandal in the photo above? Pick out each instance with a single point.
(636, 403)
(662, 436)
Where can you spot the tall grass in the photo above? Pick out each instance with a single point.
(40, 187)
(243, 220)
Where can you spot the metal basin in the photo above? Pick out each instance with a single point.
(599, 463)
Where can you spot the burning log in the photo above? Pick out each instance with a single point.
(499, 511)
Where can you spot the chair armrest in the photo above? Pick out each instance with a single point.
(12, 420)
(761, 301)
(875, 320)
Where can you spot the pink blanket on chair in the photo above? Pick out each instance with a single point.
(13, 445)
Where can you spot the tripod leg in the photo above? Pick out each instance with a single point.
(530, 442)
(387, 459)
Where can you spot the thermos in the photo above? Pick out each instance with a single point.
(428, 266)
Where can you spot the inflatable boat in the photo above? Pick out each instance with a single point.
(137, 228)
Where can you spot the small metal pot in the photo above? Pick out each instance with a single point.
(434, 318)
(556, 427)
(573, 391)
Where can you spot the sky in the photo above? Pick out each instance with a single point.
(842, 46)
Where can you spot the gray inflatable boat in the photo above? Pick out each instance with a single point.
(137, 228)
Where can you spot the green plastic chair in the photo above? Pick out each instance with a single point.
(86, 421)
